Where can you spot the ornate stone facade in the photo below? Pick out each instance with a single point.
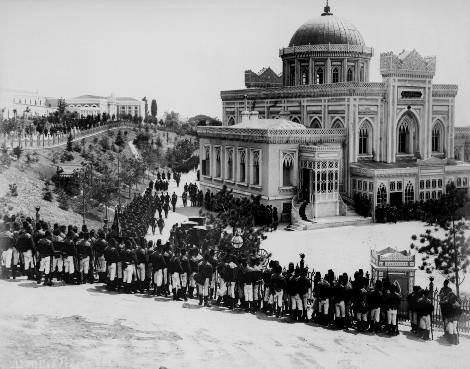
(393, 134)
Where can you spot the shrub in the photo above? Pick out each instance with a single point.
(63, 199)
(47, 193)
(13, 189)
(55, 157)
(17, 151)
(77, 147)
(66, 156)
(69, 143)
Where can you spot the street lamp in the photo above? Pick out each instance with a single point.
(237, 240)
(37, 214)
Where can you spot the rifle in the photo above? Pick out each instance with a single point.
(432, 333)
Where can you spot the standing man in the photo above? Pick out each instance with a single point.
(69, 253)
(174, 199)
(85, 253)
(205, 274)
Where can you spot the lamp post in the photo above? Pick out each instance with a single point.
(37, 214)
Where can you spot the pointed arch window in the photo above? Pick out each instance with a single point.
(409, 193)
(206, 161)
(218, 162)
(231, 121)
(407, 134)
(361, 74)
(242, 165)
(335, 75)
(229, 155)
(315, 123)
(337, 124)
(319, 76)
(295, 119)
(382, 195)
(365, 134)
(256, 155)
(287, 169)
(350, 75)
(437, 137)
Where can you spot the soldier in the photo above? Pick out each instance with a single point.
(176, 270)
(444, 294)
(154, 224)
(142, 261)
(58, 260)
(453, 313)
(412, 298)
(129, 259)
(375, 301)
(184, 197)
(323, 293)
(25, 245)
(362, 309)
(69, 254)
(392, 300)
(46, 251)
(278, 285)
(205, 272)
(184, 276)
(161, 224)
(84, 256)
(174, 199)
(99, 246)
(424, 308)
(194, 265)
(166, 209)
(158, 265)
(305, 291)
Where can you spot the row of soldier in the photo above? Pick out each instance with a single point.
(133, 265)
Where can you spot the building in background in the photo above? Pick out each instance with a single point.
(341, 134)
(24, 104)
(118, 106)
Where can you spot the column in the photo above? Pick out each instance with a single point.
(297, 72)
(311, 71)
(327, 77)
(345, 70)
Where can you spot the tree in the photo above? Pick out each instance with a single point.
(69, 143)
(448, 254)
(17, 151)
(63, 200)
(153, 108)
(61, 106)
(119, 139)
(146, 109)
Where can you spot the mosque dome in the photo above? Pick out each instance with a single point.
(326, 29)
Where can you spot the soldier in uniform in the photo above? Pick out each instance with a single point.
(174, 199)
(25, 245)
(205, 272)
(158, 265)
(84, 250)
(69, 255)
(46, 251)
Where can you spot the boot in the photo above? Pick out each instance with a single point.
(426, 335)
(455, 339)
(219, 300)
(372, 327)
(39, 278)
(200, 300)
(206, 302)
(48, 280)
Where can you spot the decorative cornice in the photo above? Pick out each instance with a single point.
(281, 136)
(376, 89)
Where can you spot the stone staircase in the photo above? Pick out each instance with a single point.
(347, 217)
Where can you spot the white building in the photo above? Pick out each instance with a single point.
(22, 103)
(93, 105)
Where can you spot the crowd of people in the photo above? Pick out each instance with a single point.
(126, 262)
(193, 193)
(250, 209)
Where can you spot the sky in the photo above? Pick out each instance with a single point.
(184, 52)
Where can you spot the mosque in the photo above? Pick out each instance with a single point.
(321, 131)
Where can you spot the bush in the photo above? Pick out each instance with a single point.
(77, 147)
(13, 189)
(66, 156)
(63, 199)
(17, 151)
(55, 157)
(69, 143)
(47, 193)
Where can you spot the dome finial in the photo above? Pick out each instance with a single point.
(326, 9)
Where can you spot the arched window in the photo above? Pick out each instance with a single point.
(382, 195)
(319, 76)
(295, 119)
(288, 169)
(315, 123)
(256, 167)
(407, 134)
(230, 164)
(350, 75)
(218, 162)
(365, 133)
(337, 124)
(231, 121)
(335, 75)
(409, 193)
(206, 165)
(437, 137)
(242, 166)
(361, 74)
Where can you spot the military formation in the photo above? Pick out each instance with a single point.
(183, 268)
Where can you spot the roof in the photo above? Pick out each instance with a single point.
(126, 98)
(89, 97)
(268, 124)
(327, 29)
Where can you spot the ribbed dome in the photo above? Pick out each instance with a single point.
(326, 29)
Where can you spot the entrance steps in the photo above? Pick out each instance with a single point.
(349, 218)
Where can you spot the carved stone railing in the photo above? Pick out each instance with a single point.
(327, 48)
(300, 136)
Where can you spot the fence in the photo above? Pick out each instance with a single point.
(40, 141)
(438, 321)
